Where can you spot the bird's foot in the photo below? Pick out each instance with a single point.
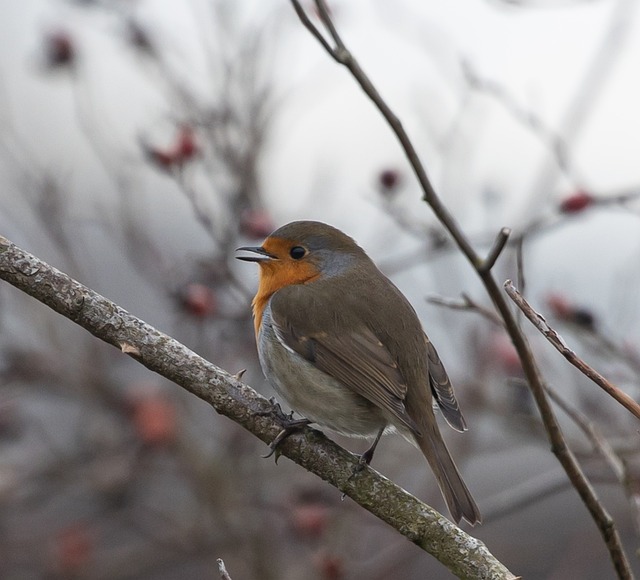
(367, 456)
(276, 411)
(363, 461)
(289, 426)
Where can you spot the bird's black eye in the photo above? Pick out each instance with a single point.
(297, 252)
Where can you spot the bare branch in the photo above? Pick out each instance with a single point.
(556, 340)
(495, 251)
(302, 15)
(462, 554)
(323, 11)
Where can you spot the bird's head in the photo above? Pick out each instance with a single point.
(301, 252)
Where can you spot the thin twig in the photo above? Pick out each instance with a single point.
(468, 304)
(551, 139)
(556, 340)
(498, 245)
(302, 15)
(323, 11)
(600, 444)
(603, 448)
(525, 494)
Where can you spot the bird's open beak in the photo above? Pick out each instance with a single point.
(262, 256)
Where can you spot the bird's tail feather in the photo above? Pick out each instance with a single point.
(456, 494)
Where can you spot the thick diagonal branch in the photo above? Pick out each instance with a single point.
(461, 553)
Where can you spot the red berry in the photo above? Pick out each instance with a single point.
(505, 354)
(330, 567)
(256, 223)
(564, 310)
(577, 202)
(310, 519)
(389, 180)
(560, 306)
(162, 159)
(73, 548)
(186, 146)
(60, 49)
(199, 300)
(154, 419)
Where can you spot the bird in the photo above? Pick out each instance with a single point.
(344, 348)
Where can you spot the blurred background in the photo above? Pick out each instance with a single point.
(142, 141)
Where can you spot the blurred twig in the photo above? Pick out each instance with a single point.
(549, 137)
(599, 443)
(602, 446)
(468, 304)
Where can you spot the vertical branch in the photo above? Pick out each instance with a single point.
(339, 52)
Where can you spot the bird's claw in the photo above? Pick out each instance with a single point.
(363, 461)
(276, 411)
(289, 425)
(273, 446)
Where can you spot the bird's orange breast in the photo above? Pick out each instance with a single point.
(279, 273)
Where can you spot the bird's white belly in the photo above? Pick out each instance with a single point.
(313, 393)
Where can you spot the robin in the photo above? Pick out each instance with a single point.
(345, 349)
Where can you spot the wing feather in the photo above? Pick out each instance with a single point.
(355, 357)
(443, 390)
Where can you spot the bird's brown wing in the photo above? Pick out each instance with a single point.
(443, 390)
(353, 356)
